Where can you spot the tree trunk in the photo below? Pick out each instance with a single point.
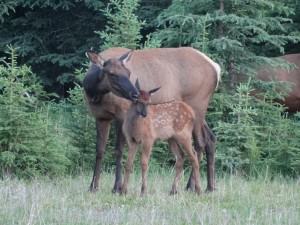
(221, 24)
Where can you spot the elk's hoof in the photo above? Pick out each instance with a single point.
(116, 189)
(93, 189)
(190, 185)
(209, 189)
(144, 194)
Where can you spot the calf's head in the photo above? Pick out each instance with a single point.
(112, 75)
(143, 99)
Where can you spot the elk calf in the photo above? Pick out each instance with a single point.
(146, 123)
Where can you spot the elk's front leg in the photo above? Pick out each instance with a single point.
(102, 128)
(119, 148)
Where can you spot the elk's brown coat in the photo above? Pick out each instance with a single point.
(184, 74)
(292, 99)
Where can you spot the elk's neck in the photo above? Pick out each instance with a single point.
(95, 89)
(94, 84)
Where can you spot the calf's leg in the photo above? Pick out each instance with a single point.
(179, 155)
(132, 149)
(187, 145)
(146, 151)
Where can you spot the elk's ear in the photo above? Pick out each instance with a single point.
(124, 58)
(137, 84)
(153, 91)
(95, 58)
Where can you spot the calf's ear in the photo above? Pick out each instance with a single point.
(153, 91)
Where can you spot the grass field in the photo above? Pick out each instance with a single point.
(67, 201)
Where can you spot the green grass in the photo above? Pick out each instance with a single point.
(67, 201)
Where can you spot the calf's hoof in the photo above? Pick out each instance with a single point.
(122, 192)
(173, 192)
(198, 192)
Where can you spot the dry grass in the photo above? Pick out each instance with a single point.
(67, 201)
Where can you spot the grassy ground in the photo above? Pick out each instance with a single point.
(67, 201)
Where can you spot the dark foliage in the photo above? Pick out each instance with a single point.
(254, 136)
(53, 36)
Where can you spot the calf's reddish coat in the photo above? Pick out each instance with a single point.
(146, 123)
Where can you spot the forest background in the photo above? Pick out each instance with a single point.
(45, 128)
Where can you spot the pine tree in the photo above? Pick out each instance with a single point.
(28, 145)
(53, 36)
(123, 26)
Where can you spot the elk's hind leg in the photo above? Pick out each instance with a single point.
(204, 140)
(210, 155)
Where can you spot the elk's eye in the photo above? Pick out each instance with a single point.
(113, 77)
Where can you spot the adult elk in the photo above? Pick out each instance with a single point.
(292, 99)
(146, 123)
(185, 74)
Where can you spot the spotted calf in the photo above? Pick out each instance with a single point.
(146, 123)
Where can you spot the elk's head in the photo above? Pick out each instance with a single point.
(143, 99)
(112, 75)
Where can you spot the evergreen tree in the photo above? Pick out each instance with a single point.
(53, 36)
(257, 136)
(123, 26)
(28, 146)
